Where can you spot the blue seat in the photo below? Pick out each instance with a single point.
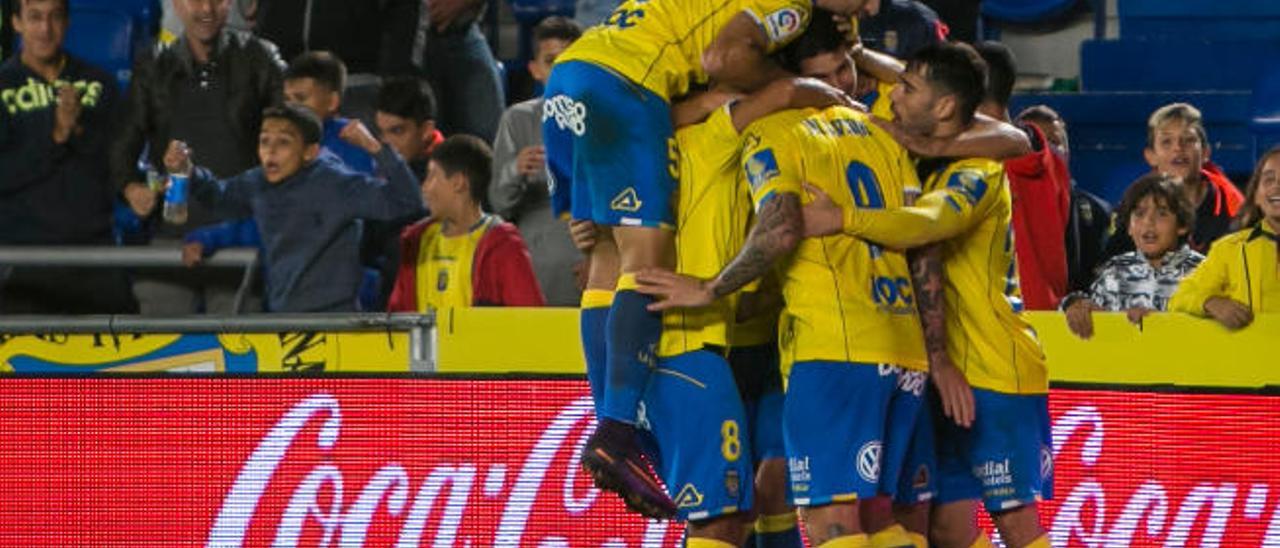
(1264, 112)
(1196, 20)
(105, 38)
(1174, 65)
(1026, 11)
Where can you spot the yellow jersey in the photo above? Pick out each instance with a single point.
(968, 204)
(444, 266)
(658, 44)
(881, 106)
(846, 299)
(712, 218)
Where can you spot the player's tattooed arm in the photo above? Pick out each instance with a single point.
(953, 388)
(779, 228)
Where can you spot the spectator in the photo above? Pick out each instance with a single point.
(1141, 281)
(406, 118)
(315, 80)
(306, 207)
(589, 13)
(240, 18)
(372, 37)
(900, 27)
(1177, 145)
(1089, 219)
(207, 89)
(1241, 276)
(1040, 185)
(55, 114)
(461, 256)
(456, 59)
(519, 192)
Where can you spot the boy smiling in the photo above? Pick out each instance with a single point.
(306, 207)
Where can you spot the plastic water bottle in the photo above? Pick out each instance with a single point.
(175, 199)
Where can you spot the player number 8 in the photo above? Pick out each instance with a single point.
(730, 444)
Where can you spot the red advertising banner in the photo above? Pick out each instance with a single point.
(477, 463)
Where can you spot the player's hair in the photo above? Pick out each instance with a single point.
(821, 36)
(407, 97)
(470, 156)
(1249, 212)
(322, 66)
(1042, 114)
(1002, 71)
(957, 69)
(1176, 111)
(1165, 191)
(300, 117)
(557, 27)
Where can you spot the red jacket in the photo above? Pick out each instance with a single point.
(1041, 188)
(501, 271)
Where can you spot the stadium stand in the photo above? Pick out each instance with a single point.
(1209, 53)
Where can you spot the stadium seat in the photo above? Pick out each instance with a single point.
(1265, 111)
(1171, 64)
(105, 38)
(1199, 19)
(1026, 11)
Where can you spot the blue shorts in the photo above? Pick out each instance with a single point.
(755, 369)
(838, 428)
(1005, 458)
(917, 476)
(610, 148)
(693, 408)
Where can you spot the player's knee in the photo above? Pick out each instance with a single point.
(642, 247)
(729, 528)
(952, 533)
(915, 517)
(771, 488)
(1019, 526)
(831, 520)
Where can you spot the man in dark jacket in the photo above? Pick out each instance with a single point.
(54, 114)
(208, 89)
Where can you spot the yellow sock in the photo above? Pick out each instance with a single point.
(918, 540)
(776, 523)
(847, 541)
(706, 543)
(1040, 542)
(893, 536)
(983, 541)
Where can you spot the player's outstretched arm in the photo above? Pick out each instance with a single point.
(778, 230)
(788, 93)
(738, 56)
(936, 216)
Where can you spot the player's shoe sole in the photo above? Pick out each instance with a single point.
(630, 478)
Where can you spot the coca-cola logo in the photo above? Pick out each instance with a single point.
(390, 489)
(1088, 510)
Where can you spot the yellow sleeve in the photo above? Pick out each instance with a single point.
(941, 214)
(1207, 280)
(781, 20)
(770, 169)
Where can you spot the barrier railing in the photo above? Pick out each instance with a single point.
(129, 257)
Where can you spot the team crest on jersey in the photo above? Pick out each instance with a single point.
(688, 497)
(442, 280)
(761, 167)
(784, 24)
(627, 200)
(920, 480)
(732, 483)
(969, 183)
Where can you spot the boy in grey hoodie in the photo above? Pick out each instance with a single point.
(306, 207)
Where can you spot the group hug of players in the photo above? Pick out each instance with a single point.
(748, 229)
